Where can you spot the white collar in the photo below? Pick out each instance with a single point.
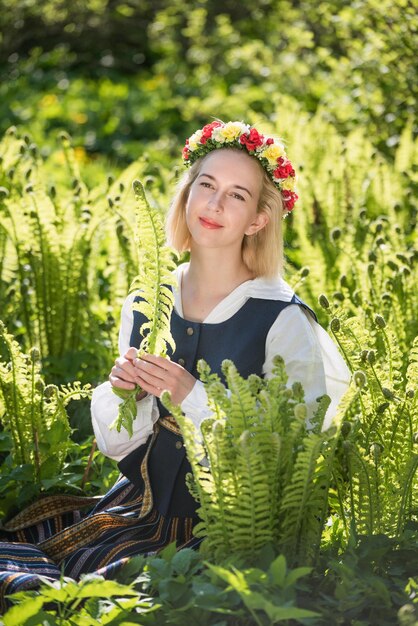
(263, 288)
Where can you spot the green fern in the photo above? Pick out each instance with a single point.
(34, 413)
(267, 478)
(154, 281)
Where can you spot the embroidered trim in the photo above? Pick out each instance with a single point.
(51, 506)
(148, 499)
(170, 424)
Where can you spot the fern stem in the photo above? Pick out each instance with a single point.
(20, 264)
(389, 349)
(215, 460)
(395, 427)
(370, 512)
(89, 463)
(45, 327)
(33, 426)
(406, 495)
(20, 437)
(341, 504)
(351, 491)
(152, 338)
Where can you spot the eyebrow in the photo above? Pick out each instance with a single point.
(236, 186)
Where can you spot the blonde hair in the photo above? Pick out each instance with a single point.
(262, 252)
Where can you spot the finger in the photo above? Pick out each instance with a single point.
(152, 376)
(131, 354)
(124, 369)
(156, 360)
(144, 367)
(120, 383)
(166, 366)
(150, 386)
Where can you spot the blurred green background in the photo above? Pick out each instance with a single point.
(121, 76)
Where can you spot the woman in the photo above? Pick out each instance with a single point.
(231, 302)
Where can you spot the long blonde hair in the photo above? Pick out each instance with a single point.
(262, 252)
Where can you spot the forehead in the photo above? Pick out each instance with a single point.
(232, 166)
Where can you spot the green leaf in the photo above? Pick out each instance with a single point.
(278, 570)
(19, 615)
(183, 560)
(295, 574)
(104, 589)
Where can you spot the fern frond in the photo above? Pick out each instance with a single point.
(305, 498)
(412, 369)
(34, 414)
(155, 279)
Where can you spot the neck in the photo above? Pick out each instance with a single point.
(212, 272)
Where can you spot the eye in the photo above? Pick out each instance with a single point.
(238, 196)
(205, 184)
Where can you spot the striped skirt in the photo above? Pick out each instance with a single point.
(54, 537)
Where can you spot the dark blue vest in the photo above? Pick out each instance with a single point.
(242, 339)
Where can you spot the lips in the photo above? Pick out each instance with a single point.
(210, 224)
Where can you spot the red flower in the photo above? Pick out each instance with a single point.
(269, 141)
(253, 140)
(186, 153)
(290, 198)
(284, 170)
(207, 131)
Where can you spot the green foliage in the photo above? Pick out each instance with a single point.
(371, 583)
(377, 481)
(50, 241)
(34, 414)
(92, 601)
(330, 77)
(117, 74)
(267, 477)
(154, 281)
(270, 593)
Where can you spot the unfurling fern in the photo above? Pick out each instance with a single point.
(34, 414)
(154, 281)
(266, 478)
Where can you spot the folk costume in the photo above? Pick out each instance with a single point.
(150, 506)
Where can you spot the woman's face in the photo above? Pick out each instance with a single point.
(223, 200)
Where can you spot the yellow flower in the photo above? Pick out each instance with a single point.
(289, 183)
(229, 132)
(273, 152)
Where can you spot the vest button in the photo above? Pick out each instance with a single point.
(190, 331)
(182, 362)
(179, 445)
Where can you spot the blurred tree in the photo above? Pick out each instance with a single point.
(187, 60)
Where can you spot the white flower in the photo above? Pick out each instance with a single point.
(194, 140)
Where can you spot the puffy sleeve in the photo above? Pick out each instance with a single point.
(104, 405)
(310, 357)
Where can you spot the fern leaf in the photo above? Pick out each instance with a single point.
(155, 279)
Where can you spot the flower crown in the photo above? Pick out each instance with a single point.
(269, 152)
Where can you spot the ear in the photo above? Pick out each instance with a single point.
(259, 222)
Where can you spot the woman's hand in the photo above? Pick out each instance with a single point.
(123, 374)
(155, 374)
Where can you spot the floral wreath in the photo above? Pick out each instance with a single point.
(269, 152)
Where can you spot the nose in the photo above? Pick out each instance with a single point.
(215, 201)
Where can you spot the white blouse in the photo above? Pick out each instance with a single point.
(310, 356)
